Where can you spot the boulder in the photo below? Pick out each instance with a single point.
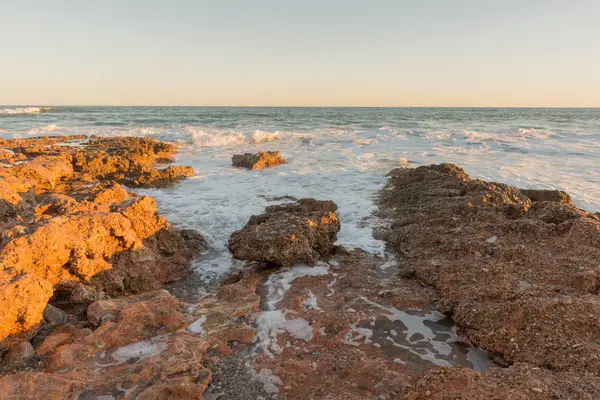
(288, 233)
(261, 160)
(19, 354)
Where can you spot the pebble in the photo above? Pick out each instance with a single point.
(54, 316)
(19, 354)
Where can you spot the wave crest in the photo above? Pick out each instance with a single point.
(24, 110)
(228, 138)
(46, 129)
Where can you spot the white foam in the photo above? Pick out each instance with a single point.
(278, 284)
(267, 379)
(263, 137)
(51, 128)
(23, 110)
(311, 303)
(271, 323)
(196, 326)
(139, 351)
(361, 333)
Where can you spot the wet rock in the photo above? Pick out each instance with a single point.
(144, 352)
(161, 178)
(54, 316)
(258, 161)
(19, 354)
(288, 233)
(527, 296)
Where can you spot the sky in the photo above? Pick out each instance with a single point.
(479, 53)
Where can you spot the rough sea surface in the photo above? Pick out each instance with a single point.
(342, 154)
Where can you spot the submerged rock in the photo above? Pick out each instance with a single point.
(288, 233)
(258, 161)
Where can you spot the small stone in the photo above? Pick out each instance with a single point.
(19, 354)
(107, 318)
(54, 316)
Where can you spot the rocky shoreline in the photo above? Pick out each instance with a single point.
(84, 264)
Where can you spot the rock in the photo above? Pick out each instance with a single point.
(547, 195)
(163, 178)
(258, 161)
(23, 299)
(520, 382)
(54, 316)
(145, 352)
(19, 354)
(288, 233)
(68, 228)
(53, 341)
(441, 223)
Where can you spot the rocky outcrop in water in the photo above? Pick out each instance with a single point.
(288, 233)
(264, 159)
(518, 270)
(73, 235)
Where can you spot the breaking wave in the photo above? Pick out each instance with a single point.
(45, 129)
(24, 110)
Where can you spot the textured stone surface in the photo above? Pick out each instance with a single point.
(19, 354)
(520, 278)
(69, 231)
(288, 233)
(261, 160)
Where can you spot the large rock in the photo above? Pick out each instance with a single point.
(288, 233)
(69, 231)
(261, 160)
(517, 269)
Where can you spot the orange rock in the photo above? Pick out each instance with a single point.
(264, 159)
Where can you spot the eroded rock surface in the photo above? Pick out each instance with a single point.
(148, 346)
(71, 233)
(264, 159)
(518, 270)
(288, 233)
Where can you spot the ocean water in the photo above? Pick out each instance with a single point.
(342, 154)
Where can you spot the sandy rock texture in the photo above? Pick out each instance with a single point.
(288, 233)
(264, 159)
(518, 270)
(71, 234)
(147, 346)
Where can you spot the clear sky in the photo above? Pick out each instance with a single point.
(301, 52)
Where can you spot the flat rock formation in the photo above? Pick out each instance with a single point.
(288, 233)
(518, 270)
(139, 347)
(71, 234)
(264, 159)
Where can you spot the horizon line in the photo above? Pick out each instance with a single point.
(289, 106)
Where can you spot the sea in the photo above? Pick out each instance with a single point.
(340, 154)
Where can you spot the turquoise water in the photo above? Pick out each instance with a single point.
(341, 154)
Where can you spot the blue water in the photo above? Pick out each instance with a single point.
(341, 154)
